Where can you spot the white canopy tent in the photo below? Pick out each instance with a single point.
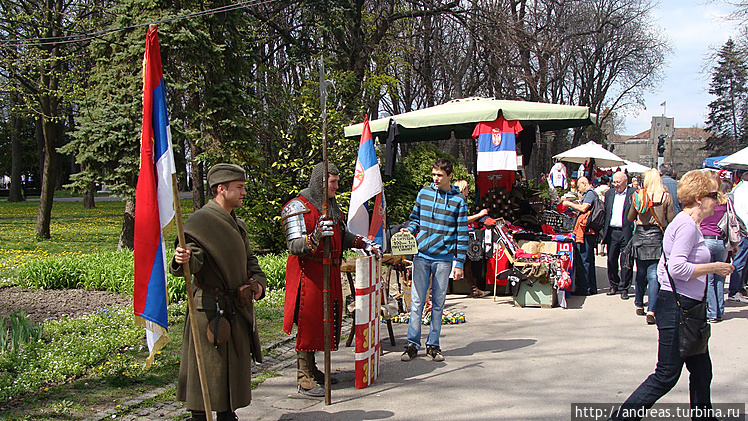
(631, 167)
(736, 161)
(591, 150)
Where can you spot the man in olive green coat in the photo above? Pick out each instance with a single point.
(227, 277)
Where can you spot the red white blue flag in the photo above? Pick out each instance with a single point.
(154, 203)
(497, 144)
(367, 184)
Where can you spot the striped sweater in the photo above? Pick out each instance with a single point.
(439, 222)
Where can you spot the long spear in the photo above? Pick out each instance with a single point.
(325, 240)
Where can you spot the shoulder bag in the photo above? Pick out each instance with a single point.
(693, 329)
(730, 226)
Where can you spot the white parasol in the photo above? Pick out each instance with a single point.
(591, 150)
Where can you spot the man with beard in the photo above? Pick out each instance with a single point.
(305, 227)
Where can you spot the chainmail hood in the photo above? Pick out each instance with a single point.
(316, 193)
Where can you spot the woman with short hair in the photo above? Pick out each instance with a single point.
(688, 264)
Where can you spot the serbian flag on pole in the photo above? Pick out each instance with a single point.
(497, 144)
(154, 203)
(367, 184)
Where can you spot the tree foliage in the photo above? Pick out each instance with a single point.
(728, 112)
(243, 82)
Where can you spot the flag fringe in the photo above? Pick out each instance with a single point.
(160, 343)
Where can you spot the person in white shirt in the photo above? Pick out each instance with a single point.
(617, 232)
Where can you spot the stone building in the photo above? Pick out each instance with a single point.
(682, 145)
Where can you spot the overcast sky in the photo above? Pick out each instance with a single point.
(693, 28)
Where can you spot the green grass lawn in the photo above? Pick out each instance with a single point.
(81, 366)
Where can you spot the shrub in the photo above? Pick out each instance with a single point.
(114, 272)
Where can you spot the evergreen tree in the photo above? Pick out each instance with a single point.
(727, 117)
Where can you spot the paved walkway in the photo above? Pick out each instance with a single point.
(509, 363)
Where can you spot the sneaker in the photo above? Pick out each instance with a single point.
(739, 298)
(651, 319)
(410, 353)
(435, 353)
(640, 311)
(711, 320)
(315, 392)
(625, 294)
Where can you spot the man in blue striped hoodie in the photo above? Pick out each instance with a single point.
(439, 222)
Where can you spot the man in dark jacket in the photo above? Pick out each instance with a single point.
(617, 232)
(227, 277)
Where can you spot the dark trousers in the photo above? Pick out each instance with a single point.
(585, 273)
(616, 243)
(670, 363)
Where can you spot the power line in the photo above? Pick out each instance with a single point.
(89, 36)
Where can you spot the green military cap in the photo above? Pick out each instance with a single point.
(224, 173)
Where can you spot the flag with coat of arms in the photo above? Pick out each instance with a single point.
(497, 144)
(367, 184)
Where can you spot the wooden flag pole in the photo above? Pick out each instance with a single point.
(191, 310)
(325, 240)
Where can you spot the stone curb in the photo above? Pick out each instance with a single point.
(175, 409)
(284, 358)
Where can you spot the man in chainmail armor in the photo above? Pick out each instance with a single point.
(305, 227)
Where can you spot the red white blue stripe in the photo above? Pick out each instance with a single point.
(367, 184)
(154, 204)
(497, 144)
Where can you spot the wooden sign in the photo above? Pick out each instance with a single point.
(403, 243)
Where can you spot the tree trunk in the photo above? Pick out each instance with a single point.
(127, 235)
(49, 176)
(16, 156)
(198, 191)
(89, 201)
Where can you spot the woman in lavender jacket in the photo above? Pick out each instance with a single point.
(689, 263)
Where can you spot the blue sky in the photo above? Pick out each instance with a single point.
(693, 28)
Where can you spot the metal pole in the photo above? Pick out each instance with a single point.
(191, 310)
(325, 240)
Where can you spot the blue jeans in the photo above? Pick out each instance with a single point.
(424, 272)
(586, 277)
(670, 363)
(738, 260)
(715, 290)
(646, 276)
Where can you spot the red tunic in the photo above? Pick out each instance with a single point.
(304, 284)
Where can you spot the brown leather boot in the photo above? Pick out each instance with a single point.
(307, 385)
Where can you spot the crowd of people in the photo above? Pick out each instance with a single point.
(683, 238)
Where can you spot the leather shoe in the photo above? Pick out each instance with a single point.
(639, 311)
(650, 319)
(625, 294)
(611, 292)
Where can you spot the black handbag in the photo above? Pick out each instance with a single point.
(693, 329)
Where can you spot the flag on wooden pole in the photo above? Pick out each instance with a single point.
(154, 203)
(367, 184)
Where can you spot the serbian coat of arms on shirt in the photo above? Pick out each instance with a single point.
(496, 137)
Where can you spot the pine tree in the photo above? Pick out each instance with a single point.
(727, 119)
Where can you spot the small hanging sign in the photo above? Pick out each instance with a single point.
(403, 243)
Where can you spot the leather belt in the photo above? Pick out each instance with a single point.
(712, 237)
(335, 261)
(616, 228)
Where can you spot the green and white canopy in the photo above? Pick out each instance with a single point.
(461, 115)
